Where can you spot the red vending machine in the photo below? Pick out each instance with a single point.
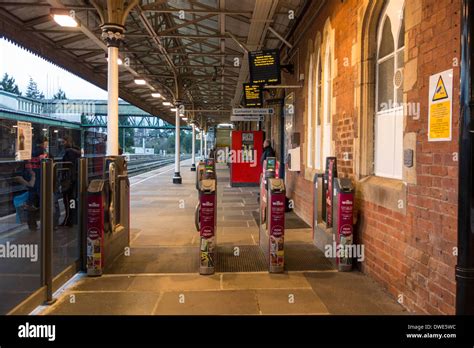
(246, 151)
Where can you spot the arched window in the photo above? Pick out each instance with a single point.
(327, 108)
(319, 74)
(388, 130)
(309, 115)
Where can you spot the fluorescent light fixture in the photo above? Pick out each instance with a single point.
(64, 18)
(174, 109)
(45, 130)
(140, 81)
(185, 118)
(166, 103)
(56, 131)
(156, 95)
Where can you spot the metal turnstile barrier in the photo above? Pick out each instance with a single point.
(343, 229)
(206, 216)
(319, 194)
(272, 217)
(107, 225)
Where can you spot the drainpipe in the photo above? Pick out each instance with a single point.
(465, 265)
(282, 137)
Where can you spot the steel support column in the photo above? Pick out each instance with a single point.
(202, 145)
(112, 102)
(193, 164)
(177, 164)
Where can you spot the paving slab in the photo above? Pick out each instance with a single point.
(106, 303)
(208, 303)
(290, 302)
(352, 293)
(185, 282)
(104, 283)
(264, 280)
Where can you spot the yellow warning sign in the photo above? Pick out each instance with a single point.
(440, 92)
(440, 120)
(440, 117)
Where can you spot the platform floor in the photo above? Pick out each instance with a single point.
(160, 277)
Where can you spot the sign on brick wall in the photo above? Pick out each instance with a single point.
(441, 106)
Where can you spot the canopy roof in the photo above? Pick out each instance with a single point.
(202, 39)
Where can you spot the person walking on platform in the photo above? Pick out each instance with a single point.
(40, 152)
(267, 151)
(212, 153)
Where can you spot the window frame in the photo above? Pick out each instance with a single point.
(396, 108)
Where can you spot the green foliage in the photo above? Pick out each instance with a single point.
(8, 84)
(60, 95)
(128, 134)
(32, 90)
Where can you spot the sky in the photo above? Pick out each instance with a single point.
(22, 64)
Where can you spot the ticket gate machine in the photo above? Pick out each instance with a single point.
(269, 172)
(107, 216)
(272, 217)
(206, 216)
(343, 228)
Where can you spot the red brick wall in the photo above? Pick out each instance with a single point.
(412, 254)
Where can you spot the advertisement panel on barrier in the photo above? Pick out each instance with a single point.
(276, 226)
(344, 227)
(207, 232)
(95, 234)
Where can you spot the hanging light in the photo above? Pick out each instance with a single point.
(64, 18)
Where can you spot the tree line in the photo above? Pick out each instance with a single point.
(8, 84)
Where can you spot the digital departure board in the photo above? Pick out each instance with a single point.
(264, 67)
(253, 95)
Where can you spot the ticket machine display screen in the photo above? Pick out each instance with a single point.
(271, 163)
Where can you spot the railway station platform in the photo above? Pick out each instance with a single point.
(160, 275)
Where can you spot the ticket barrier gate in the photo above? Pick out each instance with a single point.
(272, 217)
(319, 199)
(333, 205)
(343, 227)
(206, 216)
(107, 216)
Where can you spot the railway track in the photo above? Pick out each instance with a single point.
(139, 167)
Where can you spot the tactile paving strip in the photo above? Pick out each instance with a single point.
(249, 259)
(298, 257)
(157, 260)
